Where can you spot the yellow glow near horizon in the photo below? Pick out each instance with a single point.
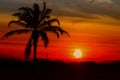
(77, 53)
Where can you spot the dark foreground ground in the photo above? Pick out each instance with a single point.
(56, 70)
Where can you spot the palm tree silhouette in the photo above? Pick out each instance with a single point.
(38, 22)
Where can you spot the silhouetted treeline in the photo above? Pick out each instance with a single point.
(56, 70)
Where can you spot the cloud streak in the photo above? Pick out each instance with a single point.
(70, 8)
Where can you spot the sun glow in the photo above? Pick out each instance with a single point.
(77, 53)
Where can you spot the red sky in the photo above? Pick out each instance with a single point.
(94, 29)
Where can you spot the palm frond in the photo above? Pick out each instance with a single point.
(45, 15)
(44, 8)
(54, 20)
(56, 33)
(16, 22)
(21, 16)
(36, 6)
(26, 15)
(28, 49)
(44, 38)
(59, 29)
(49, 22)
(44, 18)
(52, 30)
(21, 23)
(65, 32)
(48, 11)
(42, 24)
(18, 14)
(28, 11)
(36, 13)
(15, 32)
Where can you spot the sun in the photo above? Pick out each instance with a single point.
(77, 53)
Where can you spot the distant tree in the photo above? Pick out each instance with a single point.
(38, 22)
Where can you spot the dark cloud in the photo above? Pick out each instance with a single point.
(116, 2)
(83, 8)
(13, 5)
(102, 9)
(10, 5)
(70, 8)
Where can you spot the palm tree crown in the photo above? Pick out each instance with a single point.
(38, 22)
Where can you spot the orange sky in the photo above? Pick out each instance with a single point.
(97, 35)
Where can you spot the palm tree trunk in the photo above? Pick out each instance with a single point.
(35, 40)
(35, 50)
(35, 59)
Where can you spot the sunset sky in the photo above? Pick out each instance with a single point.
(94, 27)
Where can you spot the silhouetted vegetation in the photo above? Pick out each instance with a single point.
(57, 70)
(37, 21)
